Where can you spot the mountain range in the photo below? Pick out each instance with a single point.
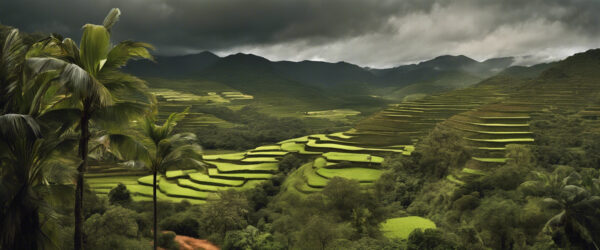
(338, 83)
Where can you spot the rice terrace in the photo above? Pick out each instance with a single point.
(299, 125)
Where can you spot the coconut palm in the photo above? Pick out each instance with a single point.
(578, 221)
(28, 151)
(96, 89)
(159, 149)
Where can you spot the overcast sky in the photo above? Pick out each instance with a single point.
(376, 33)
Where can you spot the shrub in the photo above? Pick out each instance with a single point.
(289, 163)
(429, 239)
(181, 226)
(167, 241)
(119, 195)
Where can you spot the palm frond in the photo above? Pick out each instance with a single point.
(125, 51)
(175, 117)
(38, 65)
(13, 53)
(17, 126)
(83, 85)
(94, 47)
(125, 87)
(125, 147)
(119, 114)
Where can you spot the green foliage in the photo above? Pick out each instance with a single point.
(289, 163)
(466, 202)
(225, 214)
(442, 150)
(250, 238)
(398, 183)
(119, 195)
(187, 226)
(507, 177)
(429, 239)
(320, 232)
(115, 222)
(167, 241)
(497, 219)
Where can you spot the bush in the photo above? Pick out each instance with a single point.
(289, 163)
(429, 239)
(167, 241)
(181, 226)
(119, 195)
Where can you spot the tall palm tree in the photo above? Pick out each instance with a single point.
(160, 149)
(97, 89)
(28, 151)
(578, 221)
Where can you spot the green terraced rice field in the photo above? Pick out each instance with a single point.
(267, 153)
(511, 140)
(341, 135)
(146, 180)
(453, 179)
(299, 139)
(170, 188)
(473, 171)
(492, 160)
(314, 144)
(213, 172)
(176, 96)
(402, 227)
(261, 159)
(231, 167)
(232, 156)
(268, 148)
(179, 173)
(205, 179)
(359, 174)
(366, 158)
(292, 147)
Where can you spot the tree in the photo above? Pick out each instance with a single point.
(111, 229)
(428, 239)
(97, 90)
(28, 151)
(578, 221)
(119, 195)
(320, 232)
(163, 149)
(228, 212)
(442, 150)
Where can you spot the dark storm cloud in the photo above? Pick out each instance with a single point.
(368, 32)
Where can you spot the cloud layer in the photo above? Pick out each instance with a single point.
(375, 33)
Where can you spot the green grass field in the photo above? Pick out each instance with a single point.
(401, 227)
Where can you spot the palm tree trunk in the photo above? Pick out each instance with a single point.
(155, 210)
(83, 153)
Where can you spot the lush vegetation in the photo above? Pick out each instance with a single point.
(90, 159)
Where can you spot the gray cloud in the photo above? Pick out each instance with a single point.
(373, 33)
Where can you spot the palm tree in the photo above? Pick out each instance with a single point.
(28, 151)
(579, 217)
(96, 87)
(163, 149)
